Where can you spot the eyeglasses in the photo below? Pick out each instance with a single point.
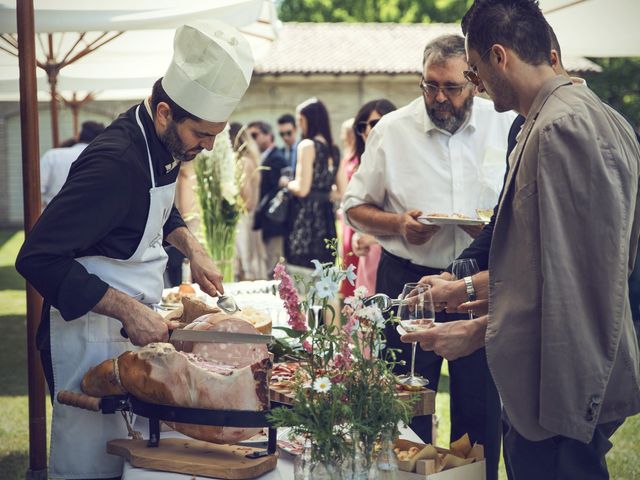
(286, 133)
(472, 75)
(361, 127)
(450, 91)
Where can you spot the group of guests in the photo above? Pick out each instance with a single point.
(550, 364)
(313, 176)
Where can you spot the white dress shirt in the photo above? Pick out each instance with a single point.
(409, 163)
(54, 169)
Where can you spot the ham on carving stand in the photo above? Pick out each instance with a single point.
(213, 392)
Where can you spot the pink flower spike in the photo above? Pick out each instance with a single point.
(307, 346)
(289, 294)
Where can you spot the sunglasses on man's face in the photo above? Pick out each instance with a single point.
(361, 127)
(286, 133)
(255, 135)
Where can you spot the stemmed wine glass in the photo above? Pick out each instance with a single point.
(464, 267)
(415, 312)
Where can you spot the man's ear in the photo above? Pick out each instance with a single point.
(163, 115)
(501, 56)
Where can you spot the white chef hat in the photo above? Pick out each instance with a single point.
(210, 70)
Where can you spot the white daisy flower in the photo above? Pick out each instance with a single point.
(322, 385)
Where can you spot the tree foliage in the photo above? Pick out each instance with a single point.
(399, 11)
(619, 86)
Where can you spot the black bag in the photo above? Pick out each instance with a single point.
(278, 208)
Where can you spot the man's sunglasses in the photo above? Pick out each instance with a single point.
(472, 75)
(361, 127)
(286, 133)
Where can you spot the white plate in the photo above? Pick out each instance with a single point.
(450, 220)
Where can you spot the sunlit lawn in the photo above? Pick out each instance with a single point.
(624, 459)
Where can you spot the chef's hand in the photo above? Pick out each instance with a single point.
(451, 340)
(472, 230)
(144, 326)
(205, 274)
(413, 231)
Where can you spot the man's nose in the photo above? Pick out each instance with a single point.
(208, 142)
(440, 96)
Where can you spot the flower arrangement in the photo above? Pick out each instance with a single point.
(344, 390)
(219, 176)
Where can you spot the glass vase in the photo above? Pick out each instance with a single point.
(221, 243)
(386, 463)
(305, 468)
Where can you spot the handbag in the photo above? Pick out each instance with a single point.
(278, 208)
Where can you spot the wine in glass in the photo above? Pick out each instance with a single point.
(415, 312)
(464, 267)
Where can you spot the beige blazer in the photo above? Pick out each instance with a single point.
(560, 340)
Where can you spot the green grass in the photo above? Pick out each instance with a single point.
(624, 458)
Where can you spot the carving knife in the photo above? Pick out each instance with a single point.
(219, 337)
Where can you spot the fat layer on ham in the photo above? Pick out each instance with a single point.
(195, 375)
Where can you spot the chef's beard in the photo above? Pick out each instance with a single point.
(457, 116)
(172, 142)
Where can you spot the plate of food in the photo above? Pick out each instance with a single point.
(290, 443)
(451, 219)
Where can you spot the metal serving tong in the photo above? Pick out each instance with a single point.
(227, 304)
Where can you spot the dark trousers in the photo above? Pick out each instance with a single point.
(558, 458)
(475, 404)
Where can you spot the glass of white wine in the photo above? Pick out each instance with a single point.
(415, 312)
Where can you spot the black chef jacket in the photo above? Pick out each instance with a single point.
(102, 210)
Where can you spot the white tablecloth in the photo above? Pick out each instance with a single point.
(284, 470)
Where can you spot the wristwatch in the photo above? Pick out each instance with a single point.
(471, 292)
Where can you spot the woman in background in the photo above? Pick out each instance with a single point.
(348, 164)
(364, 245)
(251, 255)
(312, 215)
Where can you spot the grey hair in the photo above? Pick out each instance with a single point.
(442, 49)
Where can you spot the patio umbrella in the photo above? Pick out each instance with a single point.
(595, 28)
(64, 38)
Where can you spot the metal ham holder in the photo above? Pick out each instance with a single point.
(128, 404)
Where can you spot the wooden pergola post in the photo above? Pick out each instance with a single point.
(31, 195)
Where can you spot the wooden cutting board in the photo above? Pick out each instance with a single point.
(425, 405)
(193, 457)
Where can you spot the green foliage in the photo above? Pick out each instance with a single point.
(400, 11)
(619, 86)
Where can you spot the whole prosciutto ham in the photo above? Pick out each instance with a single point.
(197, 375)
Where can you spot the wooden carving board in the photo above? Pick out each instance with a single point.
(193, 457)
(425, 405)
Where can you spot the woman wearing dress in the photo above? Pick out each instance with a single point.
(365, 246)
(312, 215)
(251, 255)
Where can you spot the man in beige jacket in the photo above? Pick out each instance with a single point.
(560, 345)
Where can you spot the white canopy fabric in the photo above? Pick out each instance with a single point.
(595, 28)
(127, 66)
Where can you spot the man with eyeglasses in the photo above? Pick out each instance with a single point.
(289, 134)
(439, 154)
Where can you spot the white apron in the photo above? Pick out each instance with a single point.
(78, 437)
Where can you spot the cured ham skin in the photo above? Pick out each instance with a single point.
(204, 375)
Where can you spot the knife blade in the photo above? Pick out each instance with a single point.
(212, 336)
